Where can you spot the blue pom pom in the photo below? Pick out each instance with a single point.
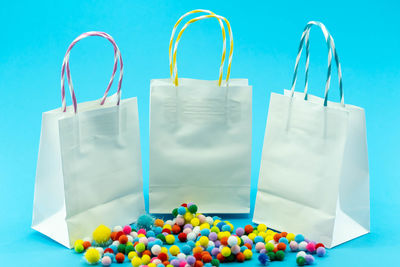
(209, 248)
(158, 242)
(258, 239)
(172, 258)
(150, 245)
(160, 265)
(299, 238)
(157, 230)
(208, 264)
(134, 227)
(145, 221)
(220, 224)
(216, 218)
(263, 259)
(191, 243)
(150, 234)
(243, 248)
(205, 232)
(186, 249)
(111, 255)
(283, 240)
(226, 227)
(114, 248)
(181, 210)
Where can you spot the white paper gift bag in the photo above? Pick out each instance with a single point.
(200, 138)
(314, 176)
(89, 165)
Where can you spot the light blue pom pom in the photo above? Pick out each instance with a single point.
(145, 221)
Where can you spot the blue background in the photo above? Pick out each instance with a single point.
(36, 35)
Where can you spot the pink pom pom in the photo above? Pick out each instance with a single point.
(235, 249)
(141, 231)
(180, 221)
(182, 264)
(311, 247)
(201, 218)
(127, 229)
(260, 246)
(187, 230)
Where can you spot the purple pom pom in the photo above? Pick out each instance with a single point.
(190, 260)
(309, 259)
(239, 231)
(321, 251)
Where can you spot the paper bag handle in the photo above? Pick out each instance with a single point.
(331, 50)
(175, 77)
(65, 68)
(173, 70)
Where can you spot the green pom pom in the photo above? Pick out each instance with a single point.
(79, 248)
(121, 248)
(271, 256)
(175, 212)
(241, 241)
(301, 261)
(129, 248)
(215, 262)
(280, 255)
(231, 258)
(193, 209)
(161, 237)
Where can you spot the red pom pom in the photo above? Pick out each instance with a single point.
(182, 237)
(118, 235)
(109, 250)
(198, 256)
(281, 246)
(220, 257)
(86, 244)
(184, 205)
(120, 257)
(249, 246)
(198, 264)
(163, 257)
(275, 249)
(284, 234)
(207, 258)
(176, 229)
(165, 263)
(123, 239)
(277, 237)
(248, 229)
(319, 245)
(240, 257)
(166, 230)
(224, 241)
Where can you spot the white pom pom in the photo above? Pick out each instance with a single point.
(196, 230)
(244, 238)
(209, 220)
(117, 228)
(181, 256)
(303, 246)
(156, 249)
(211, 244)
(170, 222)
(116, 243)
(301, 254)
(134, 235)
(100, 250)
(191, 236)
(130, 238)
(232, 240)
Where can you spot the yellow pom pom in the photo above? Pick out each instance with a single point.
(92, 255)
(255, 231)
(197, 244)
(204, 226)
(195, 222)
(167, 226)
(204, 241)
(164, 249)
(226, 251)
(262, 234)
(248, 254)
(262, 228)
(151, 264)
(220, 235)
(145, 259)
(174, 250)
(252, 236)
(170, 239)
(188, 217)
(226, 234)
(78, 242)
(268, 238)
(216, 222)
(290, 237)
(132, 254)
(102, 234)
(136, 262)
(270, 232)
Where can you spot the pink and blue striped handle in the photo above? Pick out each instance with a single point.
(65, 69)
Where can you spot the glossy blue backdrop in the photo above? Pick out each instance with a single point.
(34, 38)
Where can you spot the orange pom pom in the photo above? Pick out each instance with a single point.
(224, 241)
(123, 239)
(248, 229)
(176, 229)
(86, 244)
(147, 252)
(277, 237)
(120, 257)
(248, 246)
(284, 234)
(159, 222)
(113, 235)
(197, 250)
(220, 257)
(240, 257)
(281, 246)
(198, 264)
(207, 258)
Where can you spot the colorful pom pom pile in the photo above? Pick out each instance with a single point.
(192, 239)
